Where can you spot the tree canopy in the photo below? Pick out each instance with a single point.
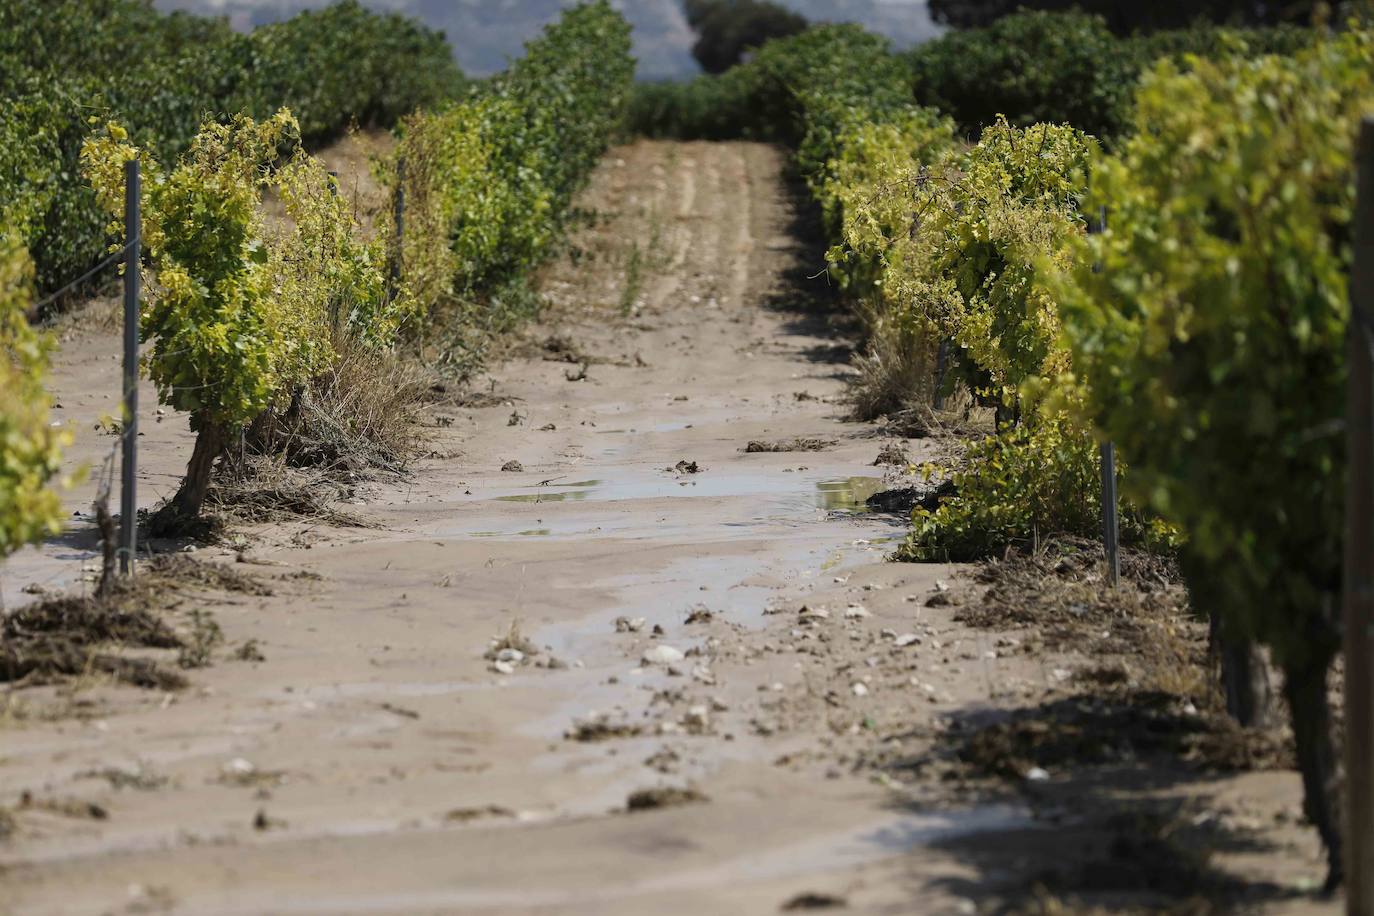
(1126, 17)
(728, 29)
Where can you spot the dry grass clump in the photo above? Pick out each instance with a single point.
(356, 418)
(261, 489)
(896, 372)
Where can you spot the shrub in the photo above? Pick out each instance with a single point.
(1032, 67)
(489, 182)
(1213, 337)
(236, 321)
(1018, 488)
(30, 449)
(1065, 67)
(63, 62)
(728, 29)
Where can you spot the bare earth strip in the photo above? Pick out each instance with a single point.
(375, 762)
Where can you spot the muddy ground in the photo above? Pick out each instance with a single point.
(721, 699)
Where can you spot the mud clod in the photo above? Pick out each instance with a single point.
(814, 901)
(663, 797)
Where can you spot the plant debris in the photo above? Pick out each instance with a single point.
(69, 636)
(790, 445)
(601, 728)
(892, 455)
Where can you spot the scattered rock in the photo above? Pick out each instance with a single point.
(665, 760)
(662, 655)
(262, 822)
(686, 467)
(856, 612)
(629, 624)
(548, 428)
(513, 466)
(906, 639)
(697, 721)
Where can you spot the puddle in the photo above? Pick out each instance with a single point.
(531, 533)
(848, 495)
(559, 496)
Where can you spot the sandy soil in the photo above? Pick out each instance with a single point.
(373, 760)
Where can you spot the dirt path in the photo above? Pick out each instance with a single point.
(374, 760)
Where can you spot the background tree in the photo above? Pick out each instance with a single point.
(728, 29)
(1125, 17)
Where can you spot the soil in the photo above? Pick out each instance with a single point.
(610, 605)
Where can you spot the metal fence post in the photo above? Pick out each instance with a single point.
(1111, 526)
(128, 496)
(399, 218)
(1111, 523)
(941, 359)
(1358, 611)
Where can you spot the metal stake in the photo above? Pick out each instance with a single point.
(128, 492)
(1359, 551)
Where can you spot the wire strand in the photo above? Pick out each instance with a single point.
(113, 258)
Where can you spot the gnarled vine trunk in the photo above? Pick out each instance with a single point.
(1309, 709)
(183, 510)
(1244, 673)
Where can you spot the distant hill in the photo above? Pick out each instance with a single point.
(485, 33)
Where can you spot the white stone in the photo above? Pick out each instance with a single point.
(662, 655)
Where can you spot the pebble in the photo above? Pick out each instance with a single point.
(860, 689)
(1036, 774)
(856, 612)
(662, 655)
(906, 639)
(514, 656)
(503, 667)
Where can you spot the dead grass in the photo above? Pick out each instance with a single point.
(258, 489)
(357, 418)
(896, 372)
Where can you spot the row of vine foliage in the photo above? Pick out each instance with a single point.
(246, 312)
(1202, 330)
(1029, 67)
(68, 64)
